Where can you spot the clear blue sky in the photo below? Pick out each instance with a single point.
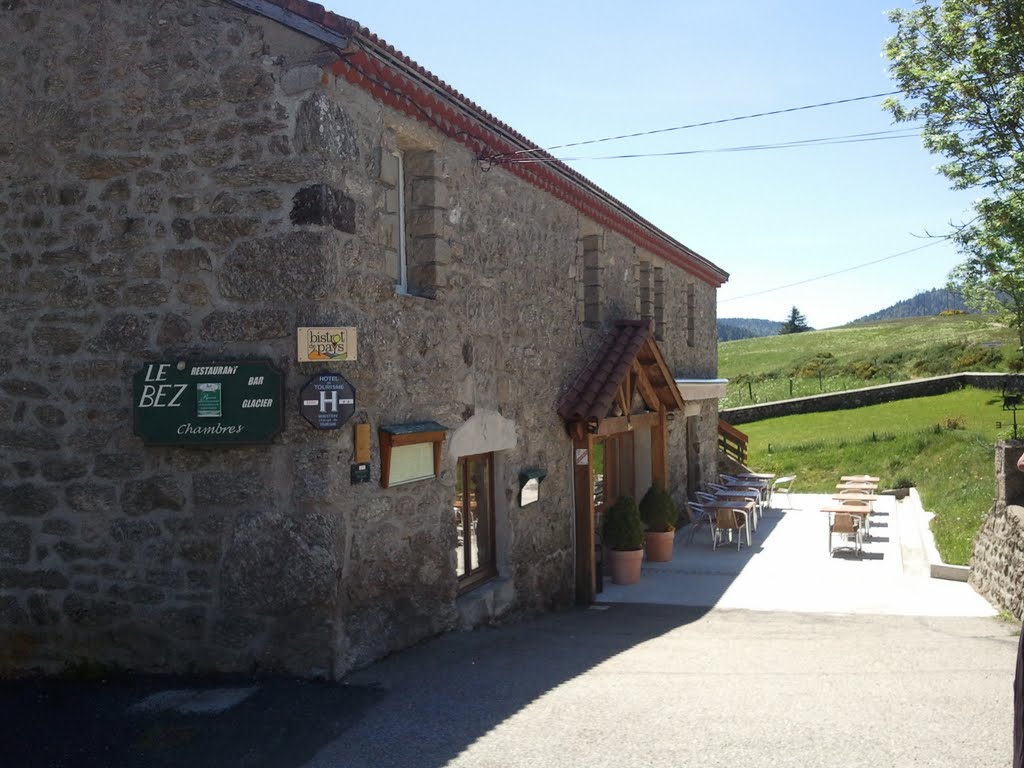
(562, 72)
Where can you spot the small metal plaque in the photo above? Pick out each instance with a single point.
(360, 473)
(327, 400)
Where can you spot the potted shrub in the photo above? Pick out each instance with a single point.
(660, 514)
(624, 537)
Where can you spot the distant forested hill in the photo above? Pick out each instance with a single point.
(732, 328)
(924, 304)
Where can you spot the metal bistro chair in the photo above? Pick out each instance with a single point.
(781, 485)
(848, 525)
(744, 491)
(700, 514)
(724, 522)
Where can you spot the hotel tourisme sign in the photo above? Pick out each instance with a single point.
(203, 403)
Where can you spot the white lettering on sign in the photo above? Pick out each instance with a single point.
(255, 381)
(214, 370)
(161, 395)
(160, 374)
(213, 429)
(263, 403)
(329, 398)
(310, 402)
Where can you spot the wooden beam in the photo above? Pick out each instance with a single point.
(659, 451)
(583, 481)
(647, 392)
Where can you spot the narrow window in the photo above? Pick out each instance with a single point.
(690, 311)
(659, 303)
(593, 310)
(474, 520)
(402, 281)
(646, 275)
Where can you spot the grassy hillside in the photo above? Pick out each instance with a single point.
(777, 367)
(944, 444)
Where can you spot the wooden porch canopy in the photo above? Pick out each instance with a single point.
(626, 386)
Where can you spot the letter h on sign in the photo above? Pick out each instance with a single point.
(329, 398)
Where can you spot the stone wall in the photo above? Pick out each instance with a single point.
(997, 564)
(186, 181)
(884, 393)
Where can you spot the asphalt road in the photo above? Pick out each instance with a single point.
(623, 685)
(807, 660)
(640, 685)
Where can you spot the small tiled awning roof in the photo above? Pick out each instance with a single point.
(593, 392)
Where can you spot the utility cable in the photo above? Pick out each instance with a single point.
(937, 241)
(856, 138)
(504, 157)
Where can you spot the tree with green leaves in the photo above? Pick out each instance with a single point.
(960, 67)
(795, 323)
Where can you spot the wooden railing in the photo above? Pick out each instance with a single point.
(732, 442)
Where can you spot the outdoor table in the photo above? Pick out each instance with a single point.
(862, 509)
(761, 486)
(740, 496)
(857, 486)
(859, 478)
(854, 496)
(757, 476)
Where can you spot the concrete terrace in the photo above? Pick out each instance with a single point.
(789, 568)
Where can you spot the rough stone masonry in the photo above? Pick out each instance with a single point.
(187, 181)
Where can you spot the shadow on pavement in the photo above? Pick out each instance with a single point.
(65, 724)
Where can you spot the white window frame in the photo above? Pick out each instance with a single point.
(402, 285)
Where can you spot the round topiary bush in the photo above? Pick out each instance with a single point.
(623, 528)
(658, 510)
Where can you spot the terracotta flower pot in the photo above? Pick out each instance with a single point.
(659, 545)
(625, 565)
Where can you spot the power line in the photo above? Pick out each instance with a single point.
(501, 157)
(833, 274)
(856, 138)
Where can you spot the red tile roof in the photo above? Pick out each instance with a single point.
(593, 392)
(398, 81)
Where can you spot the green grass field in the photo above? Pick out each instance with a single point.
(944, 444)
(779, 367)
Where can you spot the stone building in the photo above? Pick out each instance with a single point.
(200, 192)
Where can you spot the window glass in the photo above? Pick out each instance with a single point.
(473, 510)
(411, 462)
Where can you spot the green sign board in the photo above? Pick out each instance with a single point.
(190, 403)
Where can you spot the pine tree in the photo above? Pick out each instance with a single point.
(795, 323)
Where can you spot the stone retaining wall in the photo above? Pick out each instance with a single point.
(997, 564)
(885, 393)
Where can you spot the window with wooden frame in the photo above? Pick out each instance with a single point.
(410, 452)
(473, 510)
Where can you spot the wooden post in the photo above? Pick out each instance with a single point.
(583, 479)
(659, 451)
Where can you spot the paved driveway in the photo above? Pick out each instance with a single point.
(804, 660)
